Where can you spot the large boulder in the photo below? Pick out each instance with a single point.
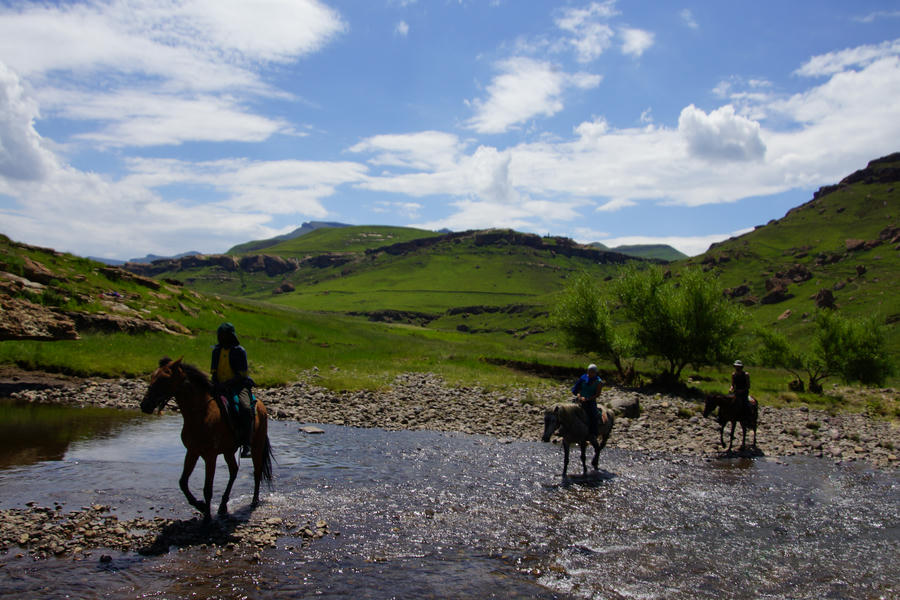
(824, 298)
(625, 405)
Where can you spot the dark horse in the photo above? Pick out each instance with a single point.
(570, 421)
(733, 411)
(206, 433)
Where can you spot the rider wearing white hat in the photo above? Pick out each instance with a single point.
(740, 383)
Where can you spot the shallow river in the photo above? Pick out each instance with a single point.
(433, 515)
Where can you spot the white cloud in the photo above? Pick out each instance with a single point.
(424, 150)
(402, 29)
(688, 17)
(591, 35)
(877, 15)
(825, 65)
(525, 89)
(144, 118)
(407, 210)
(721, 135)
(22, 156)
(636, 41)
(168, 71)
(192, 44)
(615, 205)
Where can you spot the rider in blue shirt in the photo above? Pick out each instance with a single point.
(587, 389)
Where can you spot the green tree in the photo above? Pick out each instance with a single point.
(853, 349)
(778, 352)
(584, 318)
(682, 320)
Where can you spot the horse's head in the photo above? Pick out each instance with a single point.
(551, 423)
(712, 402)
(163, 383)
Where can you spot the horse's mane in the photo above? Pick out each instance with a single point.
(194, 374)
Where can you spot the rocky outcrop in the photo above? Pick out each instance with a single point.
(397, 316)
(106, 323)
(507, 237)
(118, 274)
(324, 261)
(877, 171)
(23, 320)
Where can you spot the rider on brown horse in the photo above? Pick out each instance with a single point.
(230, 380)
(740, 384)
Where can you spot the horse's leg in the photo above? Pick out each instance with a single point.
(190, 461)
(565, 457)
(743, 436)
(583, 445)
(232, 474)
(722, 433)
(210, 463)
(731, 438)
(596, 461)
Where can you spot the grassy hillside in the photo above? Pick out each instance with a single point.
(283, 342)
(839, 242)
(346, 239)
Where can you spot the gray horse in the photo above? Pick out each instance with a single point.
(570, 421)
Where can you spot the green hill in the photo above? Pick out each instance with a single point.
(657, 251)
(346, 239)
(257, 245)
(662, 252)
(839, 249)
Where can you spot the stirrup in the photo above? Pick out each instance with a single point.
(245, 452)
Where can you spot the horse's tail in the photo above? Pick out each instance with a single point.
(268, 457)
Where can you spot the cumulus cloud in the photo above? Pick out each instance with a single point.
(636, 41)
(173, 71)
(721, 135)
(591, 34)
(22, 155)
(402, 29)
(525, 88)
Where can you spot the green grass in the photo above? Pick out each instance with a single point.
(346, 239)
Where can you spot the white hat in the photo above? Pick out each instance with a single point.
(592, 367)
(738, 363)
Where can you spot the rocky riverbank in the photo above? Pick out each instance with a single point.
(645, 423)
(654, 424)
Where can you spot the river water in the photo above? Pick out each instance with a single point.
(439, 515)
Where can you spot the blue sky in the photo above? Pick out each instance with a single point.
(164, 126)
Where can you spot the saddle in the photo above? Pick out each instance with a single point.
(232, 410)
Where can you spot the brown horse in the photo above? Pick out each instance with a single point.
(570, 421)
(206, 433)
(734, 412)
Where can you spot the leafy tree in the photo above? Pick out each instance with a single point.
(584, 317)
(684, 320)
(854, 350)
